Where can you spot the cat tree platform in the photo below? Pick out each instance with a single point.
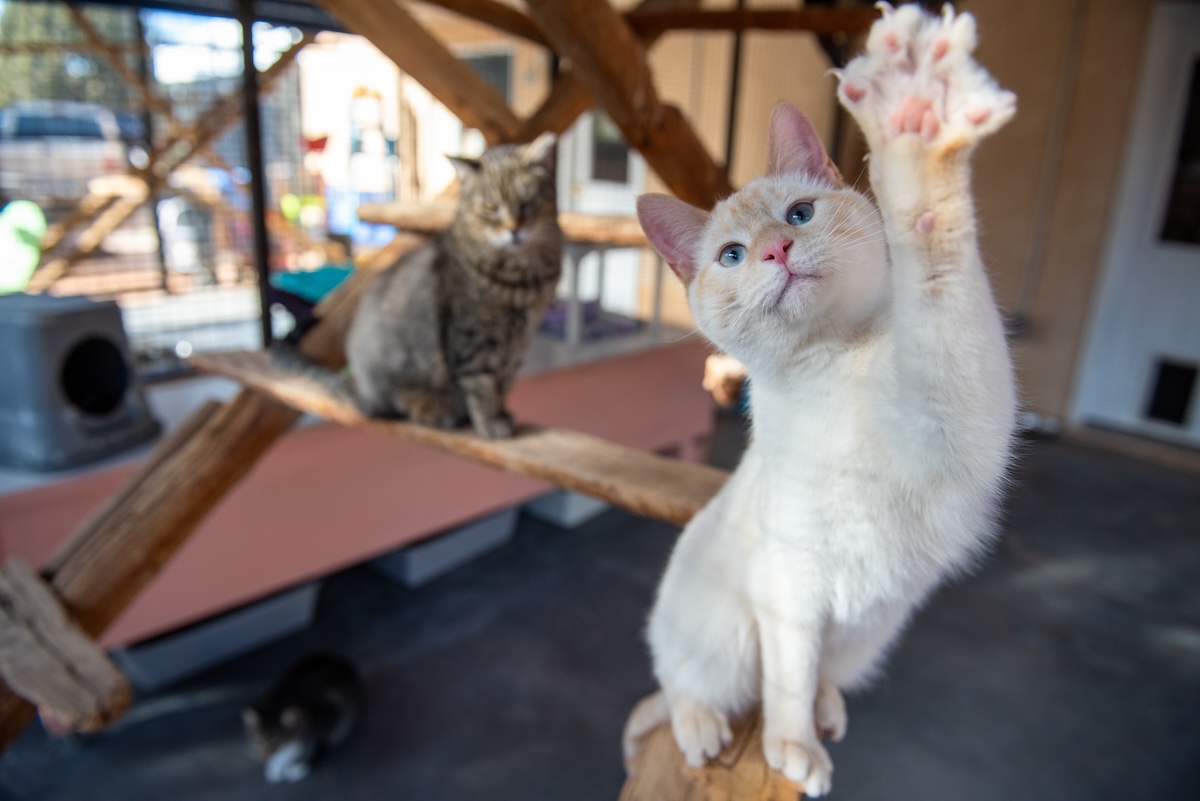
(643, 483)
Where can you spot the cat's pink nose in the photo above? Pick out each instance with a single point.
(778, 251)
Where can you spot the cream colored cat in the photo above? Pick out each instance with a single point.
(882, 396)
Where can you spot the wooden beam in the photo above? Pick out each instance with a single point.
(497, 15)
(392, 29)
(644, 483)
(568, 99)
(611, 62)
(821, 20)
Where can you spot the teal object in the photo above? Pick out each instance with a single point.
(22, 225)
(312, 285)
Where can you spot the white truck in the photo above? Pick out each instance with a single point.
(50, 149)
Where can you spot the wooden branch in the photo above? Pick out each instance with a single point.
(823, 21)
(108, 562)
(598, 229)
(497, 15)
(47, 659)
(644, 483)
(739, 773)
(568, 99)
(611, 62)
(417, 52)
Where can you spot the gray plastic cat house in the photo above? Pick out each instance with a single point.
(68, 391)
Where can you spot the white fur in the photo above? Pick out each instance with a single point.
(883, 405)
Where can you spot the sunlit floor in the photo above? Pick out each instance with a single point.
(1067, 668)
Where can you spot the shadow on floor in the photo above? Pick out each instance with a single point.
(1067, 668)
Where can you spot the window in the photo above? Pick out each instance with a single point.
(610, 154)
(1183, 206)
(495, 68)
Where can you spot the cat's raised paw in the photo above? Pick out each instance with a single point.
(917, 76)
(804, 763)
(701, 731)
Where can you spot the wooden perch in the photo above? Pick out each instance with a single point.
(48, 659)
(646, 484)
(739, 773)
(610, 62)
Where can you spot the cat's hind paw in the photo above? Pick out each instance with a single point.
(805, 763)
(917, 76)
(701, 731)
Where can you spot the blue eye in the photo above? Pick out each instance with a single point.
(799, 214)
(732, 255)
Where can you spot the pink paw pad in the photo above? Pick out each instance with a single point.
(891, 42)
(978, 116)
(925, 222)
(853, 92)
(940, 48)
(915, 115)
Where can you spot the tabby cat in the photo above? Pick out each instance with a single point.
(439, 336)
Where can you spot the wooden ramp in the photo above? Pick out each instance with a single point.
(644, 483)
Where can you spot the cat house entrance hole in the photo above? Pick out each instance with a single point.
(94, 376)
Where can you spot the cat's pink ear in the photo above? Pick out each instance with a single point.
(673, 228)
(793, 146)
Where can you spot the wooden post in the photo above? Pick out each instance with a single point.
(739, 773)
(611, 62)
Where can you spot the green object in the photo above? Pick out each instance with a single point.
(22, 226)
(312, 285)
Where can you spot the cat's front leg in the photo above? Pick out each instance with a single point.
(790, 637)
(923, 104)
(485, 406)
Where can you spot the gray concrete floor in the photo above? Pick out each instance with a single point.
(1068, 667)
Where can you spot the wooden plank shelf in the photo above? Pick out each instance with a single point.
(643, 483)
